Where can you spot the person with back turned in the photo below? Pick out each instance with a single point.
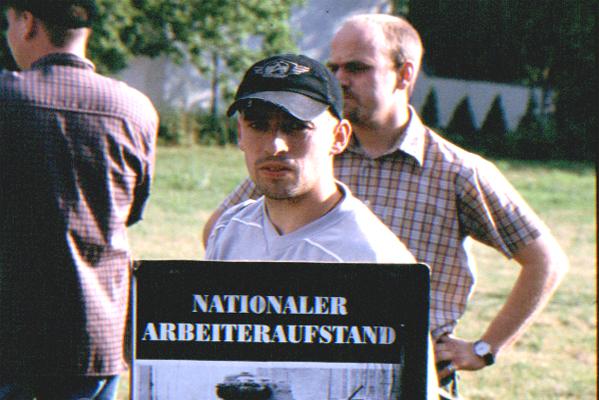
(76, 161)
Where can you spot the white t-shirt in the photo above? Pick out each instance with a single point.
(350, 232)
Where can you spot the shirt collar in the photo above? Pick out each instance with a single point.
(410, 142)
(65, 59)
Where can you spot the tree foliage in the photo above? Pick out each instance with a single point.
(549, 45)
(493, 132)
(430, 109)
(461, 128)
(219, 37)
(195, 28)
(534, 137)
(109, 47)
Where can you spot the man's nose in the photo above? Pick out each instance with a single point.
(342, 77)
(278, 143)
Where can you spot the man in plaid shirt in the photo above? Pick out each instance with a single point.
(76, 160)
(432, 194)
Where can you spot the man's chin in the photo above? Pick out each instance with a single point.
(279, 197)
(276, 193)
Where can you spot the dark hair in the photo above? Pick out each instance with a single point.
(60, 17)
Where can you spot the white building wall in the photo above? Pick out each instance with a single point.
(450, 92)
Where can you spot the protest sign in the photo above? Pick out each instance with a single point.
(279, 330)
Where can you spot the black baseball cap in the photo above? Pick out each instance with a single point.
(70, 14)
(300, 85)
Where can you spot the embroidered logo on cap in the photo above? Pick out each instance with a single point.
(280, 69)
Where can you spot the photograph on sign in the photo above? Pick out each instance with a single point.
(231, 380)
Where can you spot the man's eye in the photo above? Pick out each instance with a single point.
(356, 67)
(333, 67)
(258, 125)
(295, 127)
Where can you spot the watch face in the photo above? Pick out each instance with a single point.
(481, 348)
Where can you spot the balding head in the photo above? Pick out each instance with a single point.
(401, 41)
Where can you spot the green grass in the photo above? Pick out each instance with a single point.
(188, 184)
(556, 358)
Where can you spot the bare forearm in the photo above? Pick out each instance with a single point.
(543, 266)
(534, 287)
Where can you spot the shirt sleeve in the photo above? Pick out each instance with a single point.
(491, 211)
(144, 180)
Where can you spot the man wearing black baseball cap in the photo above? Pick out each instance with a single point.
(76, 162)
(290, 127)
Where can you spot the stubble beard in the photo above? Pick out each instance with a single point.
(281, 190)
(356, 114)
(362, 117)
(357, 117)
(352, 116)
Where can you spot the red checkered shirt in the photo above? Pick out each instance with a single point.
(76, 160)
(434, 196)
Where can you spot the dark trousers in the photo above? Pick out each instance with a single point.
(60, 388)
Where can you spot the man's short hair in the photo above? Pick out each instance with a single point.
(68, 14)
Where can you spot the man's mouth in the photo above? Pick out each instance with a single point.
(348, 96)
(274, 168)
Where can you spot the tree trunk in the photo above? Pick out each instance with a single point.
(214, 101)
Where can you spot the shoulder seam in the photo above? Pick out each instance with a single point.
(339, 259)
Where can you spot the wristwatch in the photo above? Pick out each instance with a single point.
(483, 350)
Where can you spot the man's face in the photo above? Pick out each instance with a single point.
(286, 158)
(14, 36)
(360, 60)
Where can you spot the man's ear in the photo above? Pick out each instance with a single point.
(31, 25)
(406, 74)
(342, 133)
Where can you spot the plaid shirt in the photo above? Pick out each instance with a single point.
(434, 195)
(76, 160)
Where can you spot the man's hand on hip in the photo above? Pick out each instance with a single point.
(458, 353)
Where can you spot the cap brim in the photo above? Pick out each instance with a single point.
(296, 104)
